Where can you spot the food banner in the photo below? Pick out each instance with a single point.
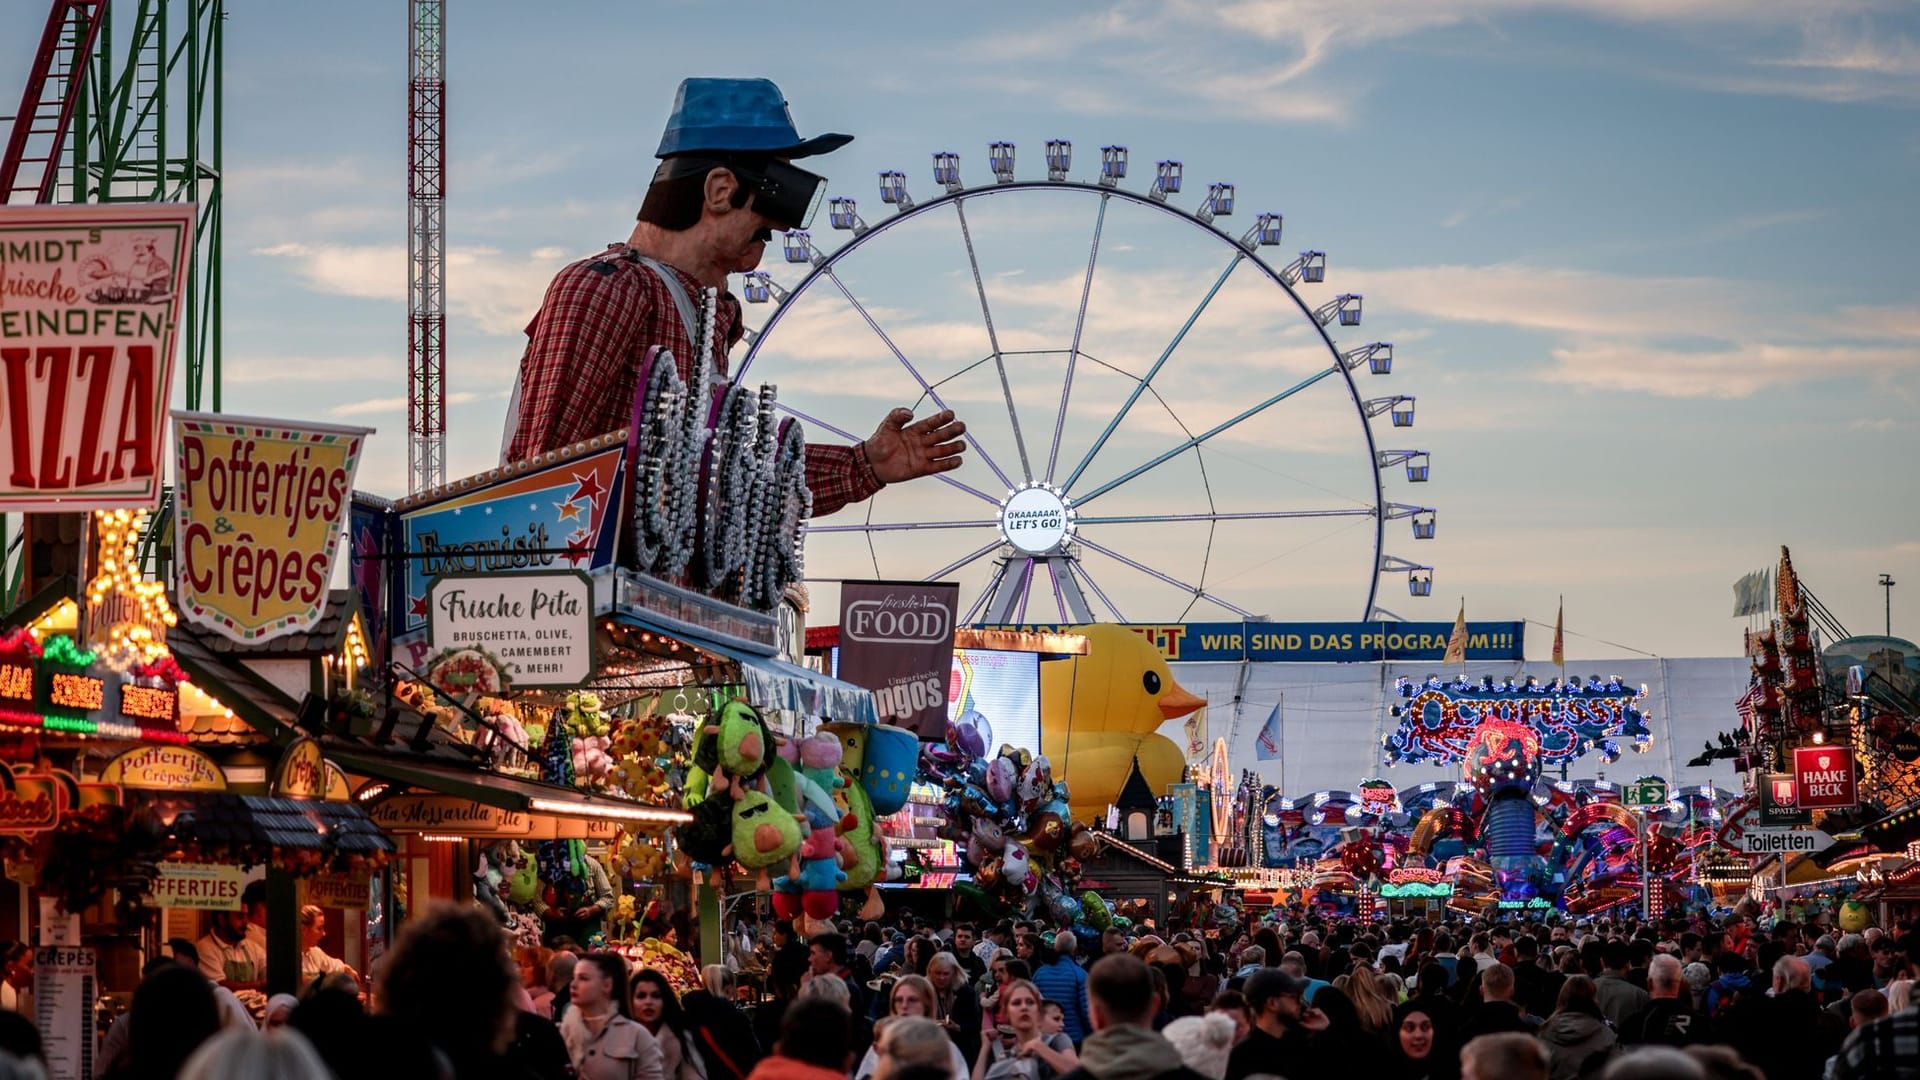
(261, 504)
(199, 886)
(65, 991)
(89, 312)
(896, 639)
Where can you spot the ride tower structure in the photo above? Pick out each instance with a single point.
(426, 245)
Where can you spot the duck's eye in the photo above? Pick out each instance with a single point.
(1151, 680)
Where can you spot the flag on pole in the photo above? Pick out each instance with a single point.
(1560, 635)
(1749, 702)
(1197, 734)
(1267, 746)
(1457, 641)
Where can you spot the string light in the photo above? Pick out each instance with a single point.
(127, 615)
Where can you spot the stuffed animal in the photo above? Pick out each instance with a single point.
(818, 877)
(866, 855)
(735, 748)
(706, 838)
(764, 834)
(486, 889)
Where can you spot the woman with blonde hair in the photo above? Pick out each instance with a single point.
(1018, 1049)
(1371, 999)
(955, 1006)
(911, 998)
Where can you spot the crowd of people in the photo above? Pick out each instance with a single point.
(1292, 996)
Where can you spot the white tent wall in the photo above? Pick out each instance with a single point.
(1333, 717)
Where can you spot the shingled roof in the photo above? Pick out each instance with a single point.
(220, 819)
(324, 639)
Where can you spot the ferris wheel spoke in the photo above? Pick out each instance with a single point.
(925, 386)
(951, 567)
(1238, 257)
(900, 526)
(1059, 597)
(852, 438)
(1246, 515)
(1082, 500)
(1080, 568)
(987, 594)
(1193, 590)
(1079, 326)
(1026, 592)
(993, 340)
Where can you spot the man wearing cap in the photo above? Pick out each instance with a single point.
(1282, 1041)
(725, 182)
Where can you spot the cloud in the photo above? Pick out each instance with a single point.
(1722, 373)
(1884, 423)
(498, 293)
(378, 406)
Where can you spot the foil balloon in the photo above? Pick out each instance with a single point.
(1014, 867)
(1001, 780)
(989, 832)
(969, 733)
(1083, 843)
(1044, 832)
(1036, 783)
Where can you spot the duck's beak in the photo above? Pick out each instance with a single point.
(1176, 702)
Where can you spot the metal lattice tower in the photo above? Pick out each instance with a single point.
(31, 167)
(426, 246)
(147, 128)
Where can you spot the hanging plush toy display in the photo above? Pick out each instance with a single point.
(814, 886)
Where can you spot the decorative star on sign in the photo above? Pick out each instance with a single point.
(570, 511)
(579, 548)
(417, 606)
(588, 487)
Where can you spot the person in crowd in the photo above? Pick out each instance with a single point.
(1883, 1049)
(16, 984)
(722, 1033)
(1061, 979)
(1415, 1049)
(1252, 959)
(449, 980)
(228, 956)
(1506, 1056)
(239, 1054)
(965, 937)
(1618, 997)
(1786, 1034)
(1536, 988)
(279, 1012)
(654, 1004)
(955, 1007)
(20, 1040)
(1669, 1018)
(1577, 1030)
(1121, 1005)
(603, 1039)
(827, 955)
(1654, 1063)
(1285, 1029)
(533, 961)
(1497, 1010)
(1345, 1041)
(1371, 1000)
(1732, 985)
(1001, 972)
(173, 1013)
(833, 988)
(812, 1043)
(994, 940)
(1203, 1042)
(1866, 1007)
(911, 997)
(918, 954)
(1018, 1049)
(315, 963)
(909, 1046)
(1232, 1004)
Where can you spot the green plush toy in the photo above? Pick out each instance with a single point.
(736, 748)
(865, 856)
(523, 888)
(764, 834)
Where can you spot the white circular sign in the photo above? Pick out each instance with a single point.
(1036, 521)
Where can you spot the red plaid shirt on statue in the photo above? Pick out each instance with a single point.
(583, 356)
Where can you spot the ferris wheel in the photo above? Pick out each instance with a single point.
(1161, 424)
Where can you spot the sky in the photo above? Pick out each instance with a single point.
(1649, 267)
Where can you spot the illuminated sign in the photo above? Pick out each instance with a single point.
(147, 703)
(1823, 778)
(1538, 903)
(175, 768)
(1439, 721)
(16, 682)
(76, 693)
(1416, 890)
(1407, 875)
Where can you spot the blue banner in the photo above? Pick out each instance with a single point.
(1329, 642)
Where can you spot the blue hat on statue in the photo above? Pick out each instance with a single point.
(739, 116)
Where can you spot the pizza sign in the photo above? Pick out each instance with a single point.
(1824, 778)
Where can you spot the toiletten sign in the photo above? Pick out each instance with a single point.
(89, 312)
(538, 624)
(1823, 778)
(260, 505)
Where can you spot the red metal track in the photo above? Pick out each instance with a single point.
(47, 103)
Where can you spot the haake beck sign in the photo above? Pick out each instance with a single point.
(1823, 778)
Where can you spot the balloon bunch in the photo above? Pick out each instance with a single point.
(1010, 820)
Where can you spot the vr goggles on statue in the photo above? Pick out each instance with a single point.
(783, 193)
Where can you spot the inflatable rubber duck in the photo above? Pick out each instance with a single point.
(1100, 711)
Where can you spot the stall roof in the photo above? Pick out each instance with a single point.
(251, 698)
(48, 598)
(493, 789)
(223, 819)
(775, 683)
(323, 639)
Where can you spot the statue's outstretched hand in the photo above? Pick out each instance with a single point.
(905, 449)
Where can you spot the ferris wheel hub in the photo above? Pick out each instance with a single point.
(1037, 518)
